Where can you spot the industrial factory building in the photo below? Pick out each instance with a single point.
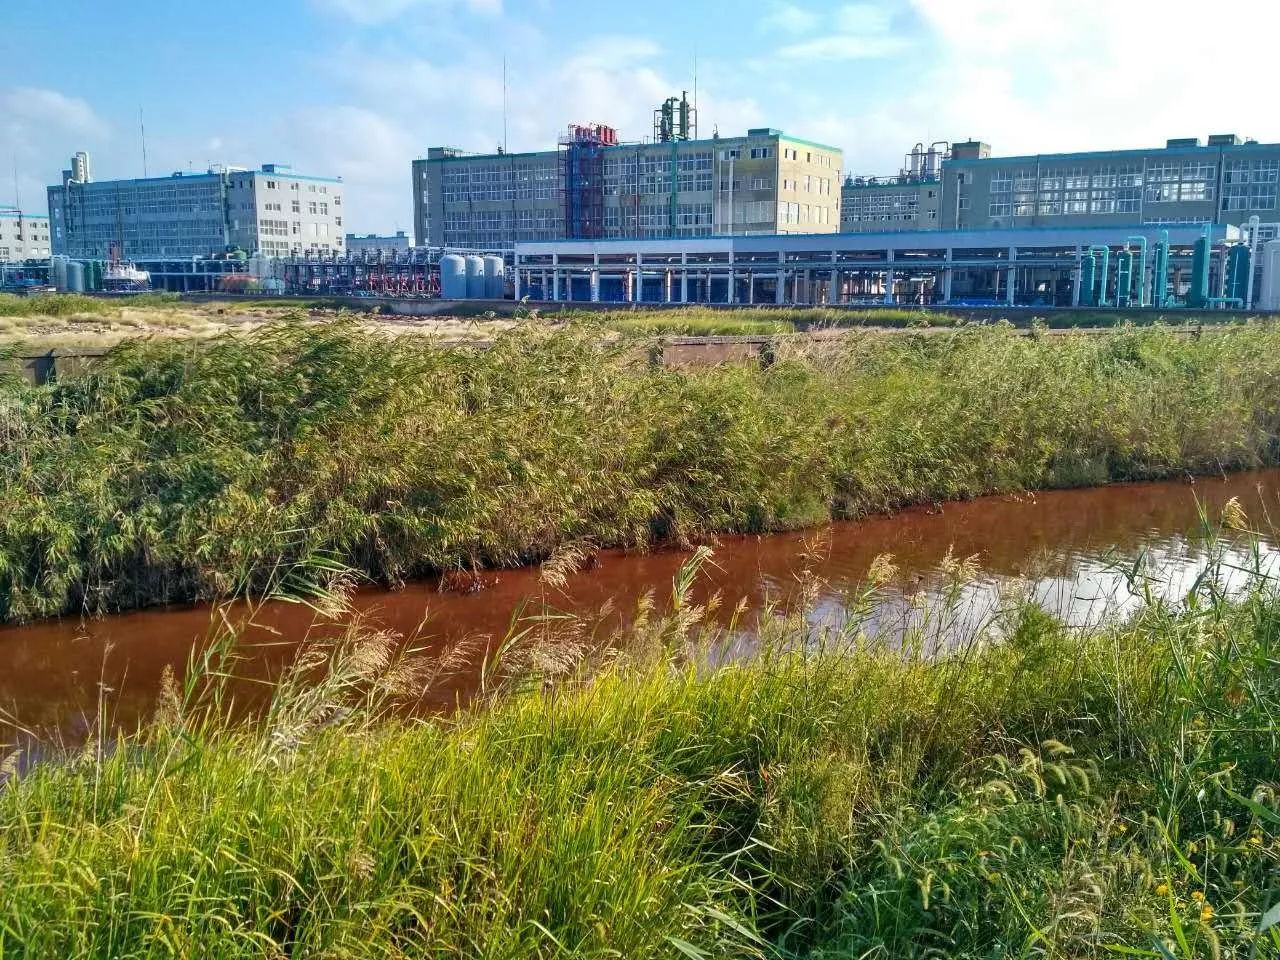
(271, 210)
(1193, 266)
(23, 236)
(397, 242)
(594, 186)
(962, 186)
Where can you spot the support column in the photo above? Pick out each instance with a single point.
(808, 286)
(948, 273)
(555, 284)
(888, 278)
(595, 285)
(733, 279)
(780, 284)
(684, 278)
(668, 284)
(637, 288)
(515, 290)
(1075, 276)
(1011, 286)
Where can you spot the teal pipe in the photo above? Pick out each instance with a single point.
(1088, 271)
(1199, 293)
(1100, 277)
(1141, 241)
(1124, 277)
(1160, 273)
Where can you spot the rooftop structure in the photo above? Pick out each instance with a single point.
(1224, 181)
(23, 236)
(597, 186)
(399, 241)
(271, 210)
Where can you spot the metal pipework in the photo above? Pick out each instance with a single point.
(1254, 221)
(1160, 273)
(1124, 276)
(1141, 241)
(1100, 276)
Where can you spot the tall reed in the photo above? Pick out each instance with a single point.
(178, 471)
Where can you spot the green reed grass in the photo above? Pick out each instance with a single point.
(68, 304)
(178, 471)
(1055, 794)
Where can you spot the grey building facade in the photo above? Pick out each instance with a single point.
(23, 236)
(398, 242)
(761, 183)
(271, 210)
(1226, 180)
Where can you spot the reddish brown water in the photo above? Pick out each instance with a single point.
(1068, 548)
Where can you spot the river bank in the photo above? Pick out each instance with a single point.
(172, 475)
(1070, 793)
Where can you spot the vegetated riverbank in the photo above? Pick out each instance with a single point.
(175, 472)
(1056, 794)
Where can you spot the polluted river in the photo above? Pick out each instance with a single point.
(1079, 553)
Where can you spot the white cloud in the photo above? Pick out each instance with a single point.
(845, 47)
(1089, 74)
(420, 103)
(40, 129)
(371, 12)
(857, 31)
(27, 108)
(789, 18)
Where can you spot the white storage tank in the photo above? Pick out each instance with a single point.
(475, 278)
(453, 277)
(59, 271)
(495, 277)
(1270, 299)
(75, 276)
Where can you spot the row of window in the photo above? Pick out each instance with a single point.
(803, 213)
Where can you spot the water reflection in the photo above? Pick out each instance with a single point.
(1074, 552)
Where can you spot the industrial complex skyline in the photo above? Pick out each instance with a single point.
(358, 89)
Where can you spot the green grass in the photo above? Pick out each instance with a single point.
(1057, 795)
(179, 471)
(67, 304)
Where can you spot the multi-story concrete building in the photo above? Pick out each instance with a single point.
(1225, 181)
(597, 188)
(397, 242)
(271, 210)
(23, 236)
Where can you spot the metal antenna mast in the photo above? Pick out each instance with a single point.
(143, 127)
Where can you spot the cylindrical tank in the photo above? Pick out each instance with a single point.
(1198, 295)
(59, 271)
(453, 277)
(75, 276)
(1238, 276)
(1088, 279)
(495, 277)
(475, 278)
(1270, 299)
(93, 275)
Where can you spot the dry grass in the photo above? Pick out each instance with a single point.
(107, 323)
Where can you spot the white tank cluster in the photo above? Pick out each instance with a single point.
(472, 277)
(453, 277)
(494, 277)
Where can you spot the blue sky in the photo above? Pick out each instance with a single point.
(357, 88)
